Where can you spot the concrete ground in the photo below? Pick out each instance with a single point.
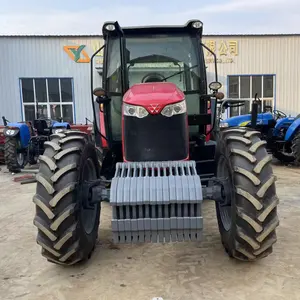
(143, 272)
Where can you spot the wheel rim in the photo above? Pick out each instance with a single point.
(288, 154)
(89, 215)
(20, 159)
(227, 193)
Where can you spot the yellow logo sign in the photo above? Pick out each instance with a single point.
(225, 51)
(77, 53)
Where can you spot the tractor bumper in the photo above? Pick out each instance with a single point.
(156, 202)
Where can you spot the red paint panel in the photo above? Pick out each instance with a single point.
(208, 128)
(84, 128)
(102, 130)
(153, 96)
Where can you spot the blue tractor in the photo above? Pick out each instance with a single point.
(24, 141)
(281, 133)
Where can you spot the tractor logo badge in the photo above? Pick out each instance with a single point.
(154, 108)
(77, 53)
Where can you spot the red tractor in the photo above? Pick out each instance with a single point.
(157, 153)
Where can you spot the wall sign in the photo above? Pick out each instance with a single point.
(82, 53)
(224, 50)
(77, 53)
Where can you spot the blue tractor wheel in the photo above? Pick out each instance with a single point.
(14, 155)
(296, 148)
(283, 157)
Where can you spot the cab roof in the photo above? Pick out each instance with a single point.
(150, 30)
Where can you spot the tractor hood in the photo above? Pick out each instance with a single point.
(153, 96)
(243, 120)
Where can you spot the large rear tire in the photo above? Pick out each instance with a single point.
(15, 160)
(247, 223)
(67, 232)
(296, 148)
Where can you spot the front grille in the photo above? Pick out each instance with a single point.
(155, 138)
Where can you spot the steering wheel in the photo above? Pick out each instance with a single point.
(152, 77)
(48, 120)
(279, 114)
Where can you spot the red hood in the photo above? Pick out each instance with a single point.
(153, 95)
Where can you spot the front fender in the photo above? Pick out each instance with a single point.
(19, 128)
(11, 132)
(292, 130)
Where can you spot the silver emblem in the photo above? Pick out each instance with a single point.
(154, 108)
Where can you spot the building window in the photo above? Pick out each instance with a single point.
(246, 86)
(47, 97)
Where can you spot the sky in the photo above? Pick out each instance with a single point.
(79, 17)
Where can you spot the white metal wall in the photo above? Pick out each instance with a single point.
(45, 57)
(262, 55)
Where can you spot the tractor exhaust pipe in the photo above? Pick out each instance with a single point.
(254, 112)
(4, 121)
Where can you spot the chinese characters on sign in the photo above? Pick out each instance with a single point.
(224, 50)
(95, 46)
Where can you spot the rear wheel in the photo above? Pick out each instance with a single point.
(296, 148)
(248, 216)
(15, 158)
(67, 231)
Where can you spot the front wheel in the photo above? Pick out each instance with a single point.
(67, 228)
(296, 148)
(14, 155)
(247, 218)
(284, 157)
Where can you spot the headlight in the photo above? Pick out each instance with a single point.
(110, 27)
(10, 132)
(58, 130)
(174, 109)
(197, 24)
(134, 111)
(224, 125)
(215, 85)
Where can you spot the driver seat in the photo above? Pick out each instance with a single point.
(41, 127)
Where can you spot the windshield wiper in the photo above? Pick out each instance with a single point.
(180, 72)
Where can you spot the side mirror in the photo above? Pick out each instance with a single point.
(99, 92)
(215, 85)
(219, 95)
(102, 97)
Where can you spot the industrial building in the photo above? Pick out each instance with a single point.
(54, 71)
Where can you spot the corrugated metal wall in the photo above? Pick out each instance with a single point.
(260, 55)
(45, 57)
(42, 57)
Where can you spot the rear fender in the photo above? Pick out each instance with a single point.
(21, 129)
(295, 126)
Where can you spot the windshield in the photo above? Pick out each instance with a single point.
(150, 59)
(160, 57)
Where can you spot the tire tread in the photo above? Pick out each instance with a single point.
(59, 244)
(255, 225)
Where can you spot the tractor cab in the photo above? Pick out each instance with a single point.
(154, 96)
